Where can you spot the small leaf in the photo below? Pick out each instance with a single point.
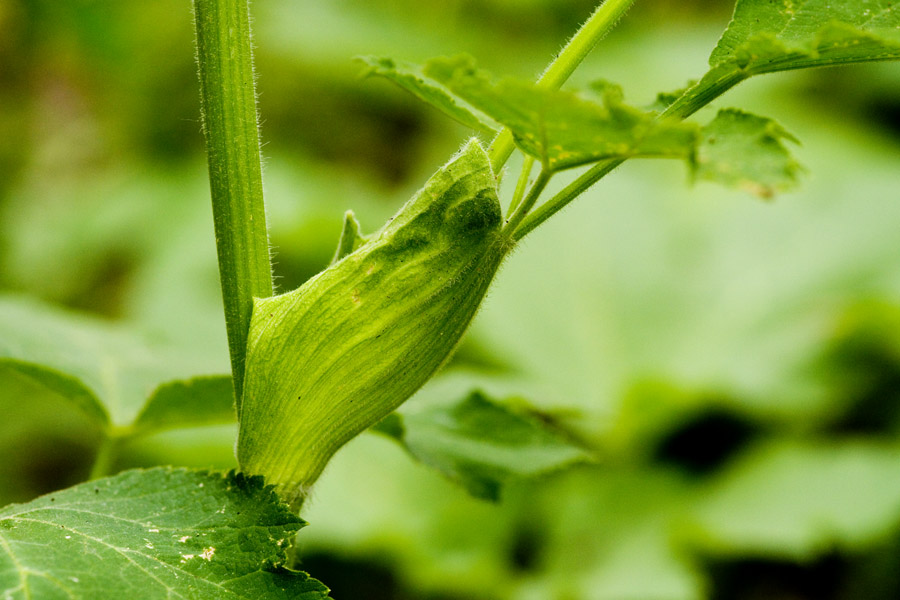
(410, 78)
(561, 129)
(482, 444)
(188, 403)
(742, 150)
(106, 370)
(351, 238)
(160, 533)
(333, 357)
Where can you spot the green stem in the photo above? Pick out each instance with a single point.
(569, 193)
(224, 55)
(603, 19)
(693, 100)
(543, 179)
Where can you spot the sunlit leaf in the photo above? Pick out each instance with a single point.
(163, 533)
(562, 129)
(765, 36)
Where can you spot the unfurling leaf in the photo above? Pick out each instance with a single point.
(338, 354)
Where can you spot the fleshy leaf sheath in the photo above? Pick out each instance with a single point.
(338, 354)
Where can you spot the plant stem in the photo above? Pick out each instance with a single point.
(601, 21)
(540, 183)
(569, 193)
(228, 99)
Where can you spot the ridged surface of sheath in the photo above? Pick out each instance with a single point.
(338, 354)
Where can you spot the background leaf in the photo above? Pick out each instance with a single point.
(482, 444)
(800, 499)
(160, 533)
(187, 403)
(108, 371)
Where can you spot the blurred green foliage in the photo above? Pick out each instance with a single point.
(735, 364)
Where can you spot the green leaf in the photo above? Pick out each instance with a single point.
(107, 371)
(742, 150)
(482, 444)
(561, 129)
(160, 533)
(410, 77)
(186, 403)
(765, 36)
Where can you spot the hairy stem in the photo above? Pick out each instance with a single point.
(603, 19)
(228, 97)
(569, 193)
(521, 211)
